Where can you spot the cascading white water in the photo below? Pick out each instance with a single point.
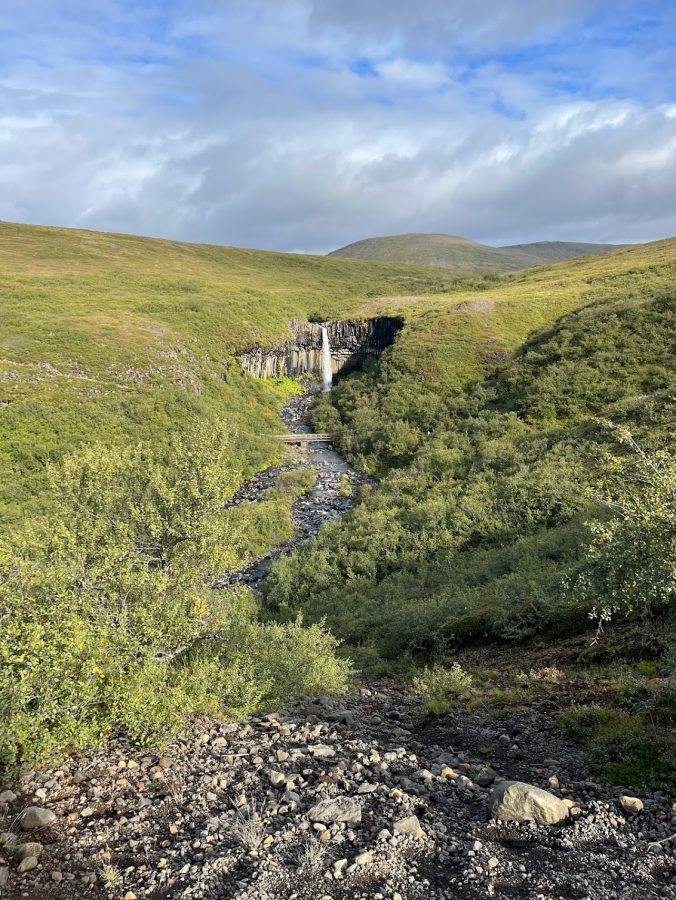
(327, 373)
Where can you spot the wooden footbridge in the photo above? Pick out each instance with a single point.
(300, 438)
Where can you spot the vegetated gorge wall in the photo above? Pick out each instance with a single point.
(351, 342)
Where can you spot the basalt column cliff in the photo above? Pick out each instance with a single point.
(351, 341)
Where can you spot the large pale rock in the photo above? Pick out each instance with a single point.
(342, 809)
(36, 817)
(321, 751)
(30, 862)
(631, 805)
(409, 826)
(516, 801)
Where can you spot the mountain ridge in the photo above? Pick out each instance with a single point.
(447, 251)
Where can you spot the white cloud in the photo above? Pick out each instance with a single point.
(251, 127)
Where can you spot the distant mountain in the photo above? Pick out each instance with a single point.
(552, 251)
(448, 251)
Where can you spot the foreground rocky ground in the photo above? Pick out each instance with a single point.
(359, 797)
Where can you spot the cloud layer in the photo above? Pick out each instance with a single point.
(311, 123)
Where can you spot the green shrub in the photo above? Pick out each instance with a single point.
(622, 748)
(438, 685)
(630, 565)
(107, 619)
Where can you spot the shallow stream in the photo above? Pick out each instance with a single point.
(327, 501)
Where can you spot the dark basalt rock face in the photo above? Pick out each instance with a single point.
(351, 341)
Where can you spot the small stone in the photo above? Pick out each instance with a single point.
(493, 862)
(7, 797)
(36, 817)
(30, 862)
(486, 777)
(554, 783)
(4, 876)
(363, 859)
(322, 751)
(367, 788)
(30, 849)
(165, 763)
(339, 867)
(277, 779)
(342, 809)
(410, 826)
(631, 805)
(87, 812)
(57, 876)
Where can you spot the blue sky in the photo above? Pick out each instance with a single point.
(306, 124)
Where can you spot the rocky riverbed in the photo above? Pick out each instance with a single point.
(335, 492)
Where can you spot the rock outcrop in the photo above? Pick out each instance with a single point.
(351, 341)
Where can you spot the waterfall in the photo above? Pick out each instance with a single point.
(327, 373)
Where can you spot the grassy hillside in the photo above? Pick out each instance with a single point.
(451, 252)
(118, 338)
(125, 426)
(487, 458)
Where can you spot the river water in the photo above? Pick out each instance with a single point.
(327, 501)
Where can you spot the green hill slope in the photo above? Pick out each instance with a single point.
(126, 425)
(451, 252)
(118, 338)
(489, 472)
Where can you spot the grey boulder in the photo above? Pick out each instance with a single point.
(37, 817)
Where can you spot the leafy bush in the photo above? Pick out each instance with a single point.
(631, 562)
(437, 685)
(622, 748)
(107, 618)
